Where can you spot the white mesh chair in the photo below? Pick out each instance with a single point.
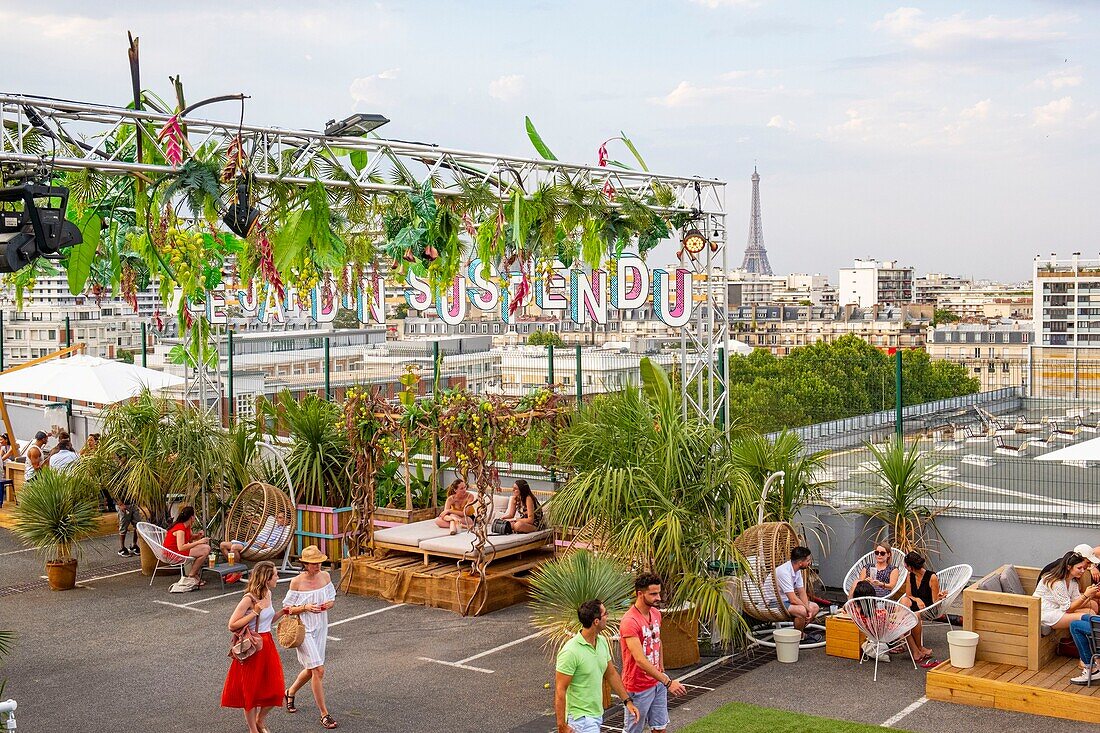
(154, 537)
(952, 581)
(897, 557)
(884, 623)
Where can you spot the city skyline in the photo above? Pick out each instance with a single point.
(953, 141)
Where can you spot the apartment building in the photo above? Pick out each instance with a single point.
(1065, 351)
(780, 328)
(994, 352)
(875, 282)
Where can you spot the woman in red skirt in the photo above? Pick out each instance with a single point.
(257, 683)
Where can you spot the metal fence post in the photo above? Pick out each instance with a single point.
(898, 427)
(435, 367)
(580, 388)
(328, 368)
(144, 347)
(229, 377)
(720, 386)
(1, 341)
(550, 365)
(68, 333)
(435, 433)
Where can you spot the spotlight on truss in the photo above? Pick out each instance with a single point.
(36, 229)
(357, 125)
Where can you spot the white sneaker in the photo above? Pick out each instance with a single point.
(1087, 676)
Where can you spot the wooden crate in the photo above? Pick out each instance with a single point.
(322, 526)
(842, 637)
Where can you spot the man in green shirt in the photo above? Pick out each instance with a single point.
(584, 662)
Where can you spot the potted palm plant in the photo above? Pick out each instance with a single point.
(657, 489)
(904, 496)
(560, 587)
(54, 513)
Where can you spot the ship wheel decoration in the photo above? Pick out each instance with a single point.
(693, 242)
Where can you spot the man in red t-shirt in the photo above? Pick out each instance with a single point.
(643, 663)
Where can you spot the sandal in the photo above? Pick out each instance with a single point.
(928, 662)
(288, 701)
(327, 721)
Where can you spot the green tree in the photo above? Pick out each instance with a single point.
(942, 315)
(346, 318)
(544, 338)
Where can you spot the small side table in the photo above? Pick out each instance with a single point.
(842, 637)
(224, 569)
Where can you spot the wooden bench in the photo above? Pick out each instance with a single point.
(1008, 624)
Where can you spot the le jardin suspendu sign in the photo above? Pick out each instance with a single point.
(585, 297)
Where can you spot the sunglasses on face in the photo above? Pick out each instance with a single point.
(880, 552)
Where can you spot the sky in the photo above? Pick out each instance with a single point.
(954, 137)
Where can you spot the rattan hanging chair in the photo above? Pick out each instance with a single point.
(764, 547)
(261, 519)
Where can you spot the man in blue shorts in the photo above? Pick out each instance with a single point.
(643, 660)
(583, 664)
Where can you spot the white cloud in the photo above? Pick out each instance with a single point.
(506, 87)
(979, 111)
(688, 93)
(913, 27)
(1060, 79)
(1054, 113)
(372, 89)
(749, 74)
(779, 123)
(855, 126)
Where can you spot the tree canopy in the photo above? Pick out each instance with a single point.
(831, 381)
(544, 338)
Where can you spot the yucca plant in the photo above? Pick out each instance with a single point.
(319, 456)
(56, 510)
(560, 587)
(802, 482)
(658, 490)
(904, 495)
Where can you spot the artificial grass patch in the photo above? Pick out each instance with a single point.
(744, 718)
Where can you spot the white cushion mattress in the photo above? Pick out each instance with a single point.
(411, 534)
(464, 541)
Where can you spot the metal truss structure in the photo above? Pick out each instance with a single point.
(67, 135)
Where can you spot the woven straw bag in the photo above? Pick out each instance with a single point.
(291, 632)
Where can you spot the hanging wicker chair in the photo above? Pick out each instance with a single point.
(261, 519)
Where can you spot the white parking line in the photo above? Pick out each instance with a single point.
(892, 721)
(362, 615)
(84, 583)
(462, 663)
(16, 552)
(185, 608)
(213, 598)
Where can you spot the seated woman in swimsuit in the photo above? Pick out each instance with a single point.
(524, 512)
(456, 512)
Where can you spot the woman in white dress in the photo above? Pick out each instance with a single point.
(1060, 592)
(311, 595)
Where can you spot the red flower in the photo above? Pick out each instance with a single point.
(602, 154)
(172, 135)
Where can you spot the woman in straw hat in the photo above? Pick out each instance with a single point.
(254, 683)
(310, 597)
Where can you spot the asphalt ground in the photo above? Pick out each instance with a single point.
(112, 656)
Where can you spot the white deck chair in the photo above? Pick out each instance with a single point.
(952, 581)
(883, 622)
(154, 537)
(897, 557)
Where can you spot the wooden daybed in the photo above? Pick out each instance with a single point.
(1006, 617)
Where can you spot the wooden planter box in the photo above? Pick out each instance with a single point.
(404, 516)
(842, 637)
(322, 526)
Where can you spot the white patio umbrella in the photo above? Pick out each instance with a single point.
(86, 378)
(1089, 450)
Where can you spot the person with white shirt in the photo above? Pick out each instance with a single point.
(63, 456)
(792, 589)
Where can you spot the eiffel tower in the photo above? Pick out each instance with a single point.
(756, 257)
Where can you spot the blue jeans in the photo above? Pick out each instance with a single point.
(652, 707)
(585, 724)
(1081, 631)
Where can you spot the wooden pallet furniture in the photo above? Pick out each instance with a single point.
(1008, 624)
(1044, 691)
(403, 578)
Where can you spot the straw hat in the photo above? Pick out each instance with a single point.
(313, 555)
(1086, 552)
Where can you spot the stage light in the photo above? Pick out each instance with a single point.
(240, 217)
(33, 231)
(357, 125)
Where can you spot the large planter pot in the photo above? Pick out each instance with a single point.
(322, 526)
(680, 637)
(963, 646)
(61, 574)
(148, 559)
